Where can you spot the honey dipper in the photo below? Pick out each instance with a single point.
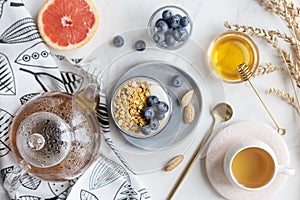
(245, 74)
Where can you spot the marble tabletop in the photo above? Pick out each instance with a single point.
(208, 18)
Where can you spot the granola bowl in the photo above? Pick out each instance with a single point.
(141, 107)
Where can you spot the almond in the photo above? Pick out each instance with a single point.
(186, 98)
(174, 162)
(189, 113)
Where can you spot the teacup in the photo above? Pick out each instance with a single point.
(253, 165)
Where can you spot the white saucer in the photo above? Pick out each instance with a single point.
(229, 136)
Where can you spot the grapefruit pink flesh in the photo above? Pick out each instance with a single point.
(68, 22)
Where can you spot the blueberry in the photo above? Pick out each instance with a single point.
(178, 15)
(118, 41)
(152, 100)
(170, 40)
(180, 34)
(159, 116)
(184, 21)
(140, 45)
(159, 37)
(162, 107)
(177, 81)
(174, 21)
(167, 14)
(162, 25)
(146, 130)
(154, 124)
(148, 113)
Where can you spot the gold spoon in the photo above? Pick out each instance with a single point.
(245, 74)
(221, 112)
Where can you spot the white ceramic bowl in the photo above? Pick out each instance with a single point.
(122, 94)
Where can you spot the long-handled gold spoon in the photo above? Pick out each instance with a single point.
(221, 112)
(245, 74)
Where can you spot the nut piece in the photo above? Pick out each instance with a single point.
(186, 98)
(173, 163)
(189, 113)
(128, 104)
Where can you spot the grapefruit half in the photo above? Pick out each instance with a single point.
(67, 24)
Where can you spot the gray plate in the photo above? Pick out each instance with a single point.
(176, 130)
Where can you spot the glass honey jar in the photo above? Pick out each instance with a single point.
(230, 49)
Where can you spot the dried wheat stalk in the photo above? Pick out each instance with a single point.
(258, 32)
(292, 67)
(289, 13)
(285, 96)
(266, 69)
(271, 37)
(286, 10)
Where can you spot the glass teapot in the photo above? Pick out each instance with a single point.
(55, 136)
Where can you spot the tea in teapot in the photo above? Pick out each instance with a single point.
(55, 136)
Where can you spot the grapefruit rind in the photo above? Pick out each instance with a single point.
(56, 46)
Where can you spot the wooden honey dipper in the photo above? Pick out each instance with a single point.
(244, 72)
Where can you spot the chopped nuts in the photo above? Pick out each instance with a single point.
(128, 104)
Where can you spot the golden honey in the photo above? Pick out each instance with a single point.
(228, 51)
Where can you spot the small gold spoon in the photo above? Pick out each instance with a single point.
(221, 112)
(245, 74)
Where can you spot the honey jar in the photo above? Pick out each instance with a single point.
(230, 49)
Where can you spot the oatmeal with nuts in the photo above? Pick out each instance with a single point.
(128, 104)
(136, 108)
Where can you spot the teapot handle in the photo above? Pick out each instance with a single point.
(12, 180)
(89, 97)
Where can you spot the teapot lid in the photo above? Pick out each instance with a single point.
(43, 139)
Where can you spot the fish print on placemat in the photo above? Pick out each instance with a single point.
(107, 171)
(60, 57)
(2, 7)
(127, 192)
(37, 55)
(85, 195)
(7, 78)
(16, 4)
(73, 82)
(5, 122)
(6, 171)
(47, 81)
(23, 30)
(27, 181)
(70, 82)
(27, 97)
(30, 182)
(61, 190)
(75, 61)
(28, 197)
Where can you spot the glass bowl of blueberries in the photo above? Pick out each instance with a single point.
(140, 107)
(170, 27)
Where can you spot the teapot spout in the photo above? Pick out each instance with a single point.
(89, 97)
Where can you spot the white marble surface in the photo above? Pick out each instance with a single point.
(208, 16)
